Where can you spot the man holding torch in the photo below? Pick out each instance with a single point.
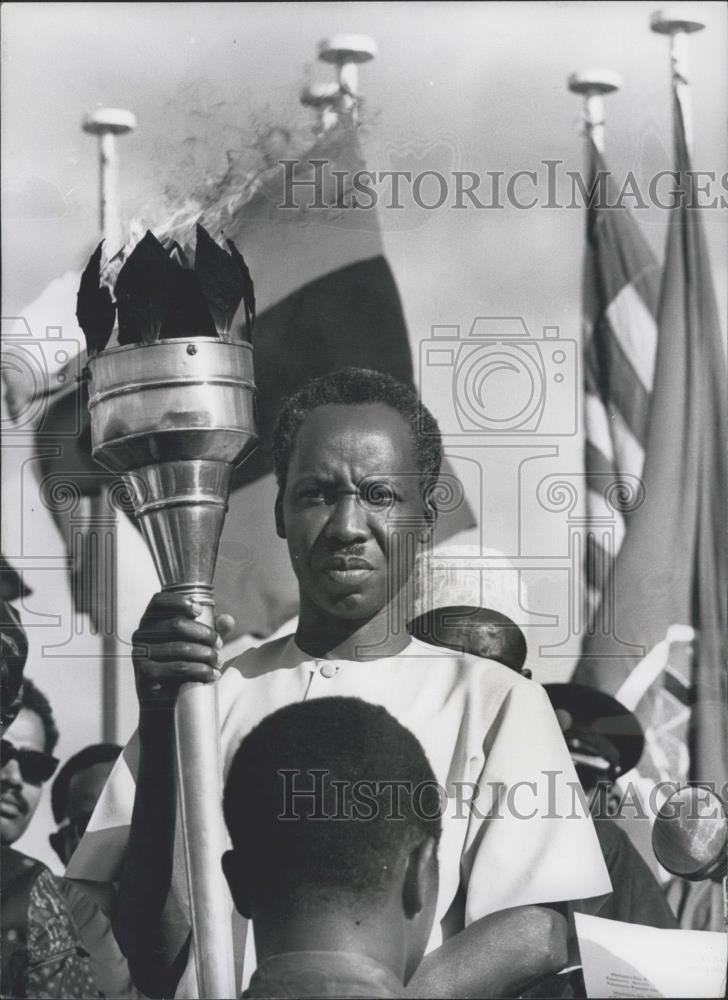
(357, 458)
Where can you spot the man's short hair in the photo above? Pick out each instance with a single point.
(35, 701)
(354, 386)
(97, 753)
(324, 798)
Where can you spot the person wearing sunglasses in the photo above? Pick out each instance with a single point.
(36, 767)
(27, 760)
(27, 765)
(42, 953)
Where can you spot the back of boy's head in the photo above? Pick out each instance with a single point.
(324, 798)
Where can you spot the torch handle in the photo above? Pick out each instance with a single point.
(199, 769)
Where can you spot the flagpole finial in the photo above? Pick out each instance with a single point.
(593, 84)
(675, 20)
(348, 52)
(594, 81)
(323, 98)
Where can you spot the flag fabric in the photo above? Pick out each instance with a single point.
(326, 299)
(621, 293)
(671, 567)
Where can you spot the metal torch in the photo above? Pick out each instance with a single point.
(174, 418)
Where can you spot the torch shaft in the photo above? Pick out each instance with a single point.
(199, 770)
(175, 417)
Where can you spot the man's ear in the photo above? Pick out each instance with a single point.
(429, 504)
(424, 535)
(417, 877)
(278, 511)
(238, 889)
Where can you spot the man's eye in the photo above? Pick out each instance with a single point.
(378, 495)
(314, 494)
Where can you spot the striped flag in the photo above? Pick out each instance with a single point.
(621, 291)
(671, 568)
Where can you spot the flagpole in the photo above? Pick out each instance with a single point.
(347, 53)
(323, 98)
(106, 124)
(677, 24)
(593, 84)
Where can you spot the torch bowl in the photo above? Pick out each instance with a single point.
(172, 400)
(174, 418)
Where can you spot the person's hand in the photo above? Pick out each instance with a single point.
(171, 647)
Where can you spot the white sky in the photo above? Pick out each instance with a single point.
(464, 86)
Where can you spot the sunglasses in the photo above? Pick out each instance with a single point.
(35, 766)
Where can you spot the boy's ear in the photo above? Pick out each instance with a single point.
(278, 511)
(417, 877)
(236, 881)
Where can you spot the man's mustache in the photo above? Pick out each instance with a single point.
(355, 551)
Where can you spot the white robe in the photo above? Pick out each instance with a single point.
(529, 838)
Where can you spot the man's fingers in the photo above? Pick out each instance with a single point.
(181, 629)
(179, 673)
(167, 604)
(171, 652)
(224, 625)
(171, 648)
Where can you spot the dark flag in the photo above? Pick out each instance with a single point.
(326, 299)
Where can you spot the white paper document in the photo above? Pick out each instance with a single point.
(629, 960)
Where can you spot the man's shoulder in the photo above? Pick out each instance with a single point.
(474, 671)
(18, 867)
(487, 686)
(260, 660)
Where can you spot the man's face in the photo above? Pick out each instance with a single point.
(84, 790)
(352, 485)
(19, 798)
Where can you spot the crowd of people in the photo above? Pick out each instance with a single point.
(463, 883)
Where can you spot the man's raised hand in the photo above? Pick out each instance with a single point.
(171, 647)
